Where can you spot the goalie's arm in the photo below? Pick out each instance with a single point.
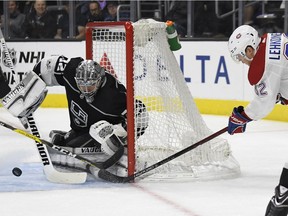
(52, 69)
(26, 97)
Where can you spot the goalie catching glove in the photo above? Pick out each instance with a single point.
(238, 120)
(111, 137)
(26, 97)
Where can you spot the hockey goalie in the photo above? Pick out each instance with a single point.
(96, 104)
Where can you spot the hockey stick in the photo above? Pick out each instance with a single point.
(6, 52)
(104, 174)
(100, 165)
(50, 172)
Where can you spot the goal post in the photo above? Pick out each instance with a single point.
(138, 54)
(125, 67)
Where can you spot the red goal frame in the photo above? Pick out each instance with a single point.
(129, 81)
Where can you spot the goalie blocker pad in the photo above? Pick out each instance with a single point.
(26, 97)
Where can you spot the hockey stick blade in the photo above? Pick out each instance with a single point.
(104, 174)
(100, 165)
(51, 173)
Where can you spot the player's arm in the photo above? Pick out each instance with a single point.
(28, 95)
(258, 108)
(51, 69)
(266, 91)
(265, 94)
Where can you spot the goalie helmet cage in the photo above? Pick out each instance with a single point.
(138, 55)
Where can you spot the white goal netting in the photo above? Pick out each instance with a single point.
(174, 121)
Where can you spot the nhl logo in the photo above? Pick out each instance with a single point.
(5, 58)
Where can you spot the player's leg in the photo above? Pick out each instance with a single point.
(79, 143)
(73, 139)
(278, 205)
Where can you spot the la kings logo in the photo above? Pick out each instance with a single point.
(80, 117)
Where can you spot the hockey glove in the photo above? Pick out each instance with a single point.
(237, 121)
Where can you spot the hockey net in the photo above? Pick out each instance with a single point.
(138, 55)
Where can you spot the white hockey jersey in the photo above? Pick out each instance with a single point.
(268, 73)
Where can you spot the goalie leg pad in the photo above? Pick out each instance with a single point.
(63, 161)
(106, 134)
(111, 146)
(26, 97)
(75, 140)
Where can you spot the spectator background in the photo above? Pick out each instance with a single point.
(110, 11)
(251, 12)
(207, 24)
(40, 23)
(15, 21)
(95, 13)
(63, 22)
(28, 6)
(102, 4)
(178, 14)
(204, 22)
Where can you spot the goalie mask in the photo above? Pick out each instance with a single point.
(89, 76)
(241, 38)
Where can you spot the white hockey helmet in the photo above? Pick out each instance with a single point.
(242, 37)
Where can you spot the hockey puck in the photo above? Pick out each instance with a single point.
(17, 171)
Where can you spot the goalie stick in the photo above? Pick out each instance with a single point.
(50, 171)
(100, 165)
(104, 174)
(6, 52)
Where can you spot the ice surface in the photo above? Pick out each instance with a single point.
(261, 152)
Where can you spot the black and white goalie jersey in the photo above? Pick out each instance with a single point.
(109, 102)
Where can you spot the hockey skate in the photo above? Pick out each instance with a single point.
(278, 205)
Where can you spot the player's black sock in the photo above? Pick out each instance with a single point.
(278, 205)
